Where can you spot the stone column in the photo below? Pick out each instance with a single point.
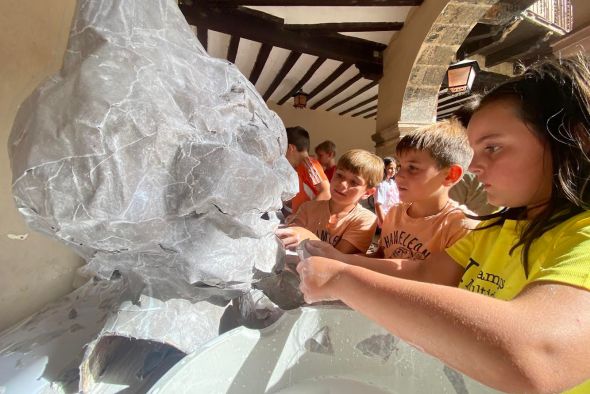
(417, 58)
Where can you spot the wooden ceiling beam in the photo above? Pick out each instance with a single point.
(364, 111)
(517, 50)
(331, 78)
(285, 68)
(314, 67)
(312, 3)
(355, 94)
(476, 46)
(361, 104)
(347, 27)
(259, 63)
(202, 36)
(370, 115)
(261, 27)
(232, 49)
(336, 92)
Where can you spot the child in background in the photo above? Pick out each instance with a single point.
(514, 311)
(341, 221)
(386, 194)
(326, 154)
(313, 183)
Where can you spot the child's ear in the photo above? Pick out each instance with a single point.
(454, 175)
(368, 193)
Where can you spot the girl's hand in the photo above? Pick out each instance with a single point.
(318, 275)
(324, 249)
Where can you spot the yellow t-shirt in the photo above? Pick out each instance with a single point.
(559, 255)
(356, 227)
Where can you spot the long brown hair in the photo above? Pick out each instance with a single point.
(554, 102)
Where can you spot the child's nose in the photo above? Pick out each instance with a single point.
(475, 167)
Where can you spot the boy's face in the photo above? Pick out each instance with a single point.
(294, 157)
(324, 157)
(347, 187)
(418, 177)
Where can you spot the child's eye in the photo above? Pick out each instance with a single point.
(491, 148)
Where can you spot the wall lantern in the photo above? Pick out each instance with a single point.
(300, 99)
(460, 76)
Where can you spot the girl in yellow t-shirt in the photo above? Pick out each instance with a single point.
(514, 308)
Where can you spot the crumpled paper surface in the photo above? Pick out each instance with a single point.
(146, 154)
(158, 164)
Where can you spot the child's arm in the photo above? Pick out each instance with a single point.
(439, 268)
(379, 213)
(323, 191)
(291, 236)
(538, 342)
(346, 247)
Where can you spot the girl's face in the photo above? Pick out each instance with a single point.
(513, 163)
(390, 170)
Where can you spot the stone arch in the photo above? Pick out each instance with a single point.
(422, 52)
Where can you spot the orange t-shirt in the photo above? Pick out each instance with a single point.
(404, 237)
(356, 227)
(311, 174)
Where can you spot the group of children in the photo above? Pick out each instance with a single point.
(431, 161)
(503, 298)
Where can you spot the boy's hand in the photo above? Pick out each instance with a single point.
(318, 275)
(324, 249)
(291, 236)
(288, 237)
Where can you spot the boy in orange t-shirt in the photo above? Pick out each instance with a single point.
(313, 183)
(341, 221)
(431, 161)
(326, 154)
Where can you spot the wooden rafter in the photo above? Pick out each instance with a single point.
(517, 50)
(347, 27)
(364, 111)
(261, 27)
(260, 62)
(232, 49)
(355, 94)
(202, 36)
(359, 105)
(285, 68)
(452, 103)
(370, 115)
(473, 47)
(314, 67)
(337, 91)
(331, 78)
(323, 3)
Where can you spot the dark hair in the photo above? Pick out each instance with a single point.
(553, 98)
(327, 146)
(299, 137)
(387, 160)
